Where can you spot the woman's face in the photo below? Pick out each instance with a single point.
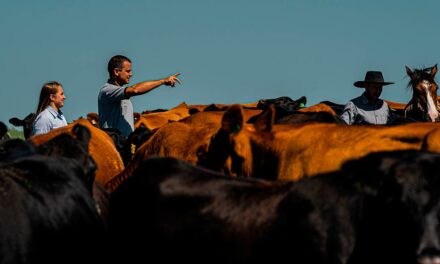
(58, 98)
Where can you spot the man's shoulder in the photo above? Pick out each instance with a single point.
(109, 91)
(110, 86)
(351, 103)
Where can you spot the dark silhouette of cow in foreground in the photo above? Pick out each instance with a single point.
(383, 208)
(3, 132)
(47, 214)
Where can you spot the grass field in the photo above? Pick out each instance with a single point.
(15, 133)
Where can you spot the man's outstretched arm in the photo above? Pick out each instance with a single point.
(145, 87)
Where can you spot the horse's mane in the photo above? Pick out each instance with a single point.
(419, 75)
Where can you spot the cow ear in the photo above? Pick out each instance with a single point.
(266, 120)
(16, 122)
(82, 134)
(232, 121)
(433, 71)
(181, 105)
(409, 72)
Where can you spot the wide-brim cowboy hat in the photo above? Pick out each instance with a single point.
(372, 77)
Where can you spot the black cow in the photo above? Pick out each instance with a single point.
(296, 117)
(3, 132)
(308, 117)
(26, 123)
(47, 214)
(118, 139)
(136, 138)
(127, 145)
(381, 209)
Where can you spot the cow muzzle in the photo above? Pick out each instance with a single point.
(429, 256)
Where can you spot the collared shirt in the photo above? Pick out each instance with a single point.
(48, 120)
(360, 111)
(115, 109)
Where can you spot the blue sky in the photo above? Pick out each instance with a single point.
(228, 51)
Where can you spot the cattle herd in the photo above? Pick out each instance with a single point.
(268, 182)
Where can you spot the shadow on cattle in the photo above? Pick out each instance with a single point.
(383, 208)
(47, 214)
(3, 132)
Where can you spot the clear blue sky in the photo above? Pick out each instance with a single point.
(228, 51)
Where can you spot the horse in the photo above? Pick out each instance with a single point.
(423, 105)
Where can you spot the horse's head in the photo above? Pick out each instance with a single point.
(423, 105)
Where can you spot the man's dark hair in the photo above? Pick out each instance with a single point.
(116, 62)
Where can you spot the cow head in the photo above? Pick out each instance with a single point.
(14, 149)
(76, 148)
(402, 210)
(133, 142)
(26, 123)
(230, 149)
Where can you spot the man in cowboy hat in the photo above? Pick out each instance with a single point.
(368, 108)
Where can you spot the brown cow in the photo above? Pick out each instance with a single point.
(101, 148)
(291, 152)
(155, 120)
(215, 117)
(185, 140)
(321, 107)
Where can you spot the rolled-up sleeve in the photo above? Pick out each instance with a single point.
(349, 113)
(114, 93)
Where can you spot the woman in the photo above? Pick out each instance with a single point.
(49, 115)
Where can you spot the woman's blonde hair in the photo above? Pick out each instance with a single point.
(47, 89)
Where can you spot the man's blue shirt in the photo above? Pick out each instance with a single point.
(115, 109)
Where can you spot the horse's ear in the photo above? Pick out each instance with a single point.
(409, 72)
(433, 70)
